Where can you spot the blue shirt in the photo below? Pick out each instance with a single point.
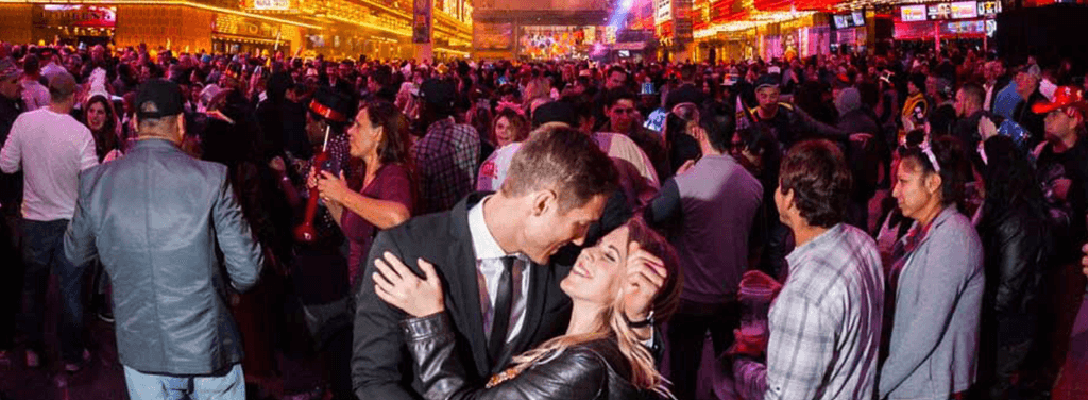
(1007, 99)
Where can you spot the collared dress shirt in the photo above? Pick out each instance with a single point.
(488, 268)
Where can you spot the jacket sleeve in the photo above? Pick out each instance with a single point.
(665, 210)
(241, 252)
(79, 240)
(575, 373)
(379, 362)
(811, 125)
(942, 273)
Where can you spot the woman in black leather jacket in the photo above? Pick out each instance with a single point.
(598, 358)
(1015, 237)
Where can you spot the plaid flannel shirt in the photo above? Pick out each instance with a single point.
(825, 324)
(446, 159)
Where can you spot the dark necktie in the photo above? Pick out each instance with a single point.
(504, 303)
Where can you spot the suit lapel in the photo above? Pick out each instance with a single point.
(463, 298)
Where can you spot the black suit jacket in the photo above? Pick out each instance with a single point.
(381, 365)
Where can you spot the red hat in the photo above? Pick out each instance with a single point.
(1064, 96)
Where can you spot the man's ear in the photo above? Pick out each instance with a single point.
(543, 201)
(181, 125)
(789, 198)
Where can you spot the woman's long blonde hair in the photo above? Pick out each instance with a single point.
(611, 323)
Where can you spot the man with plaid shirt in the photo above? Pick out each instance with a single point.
(447, 157)
(825, 323)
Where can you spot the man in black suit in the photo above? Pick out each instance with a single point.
(491, 252)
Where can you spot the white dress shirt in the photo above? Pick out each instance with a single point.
(488, 268)
(51, 149)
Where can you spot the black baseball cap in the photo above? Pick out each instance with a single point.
(768, 80)
(556, 111)
(440, 95)
(164, 95)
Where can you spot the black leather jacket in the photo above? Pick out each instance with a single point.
(1017, 244)
(592, 370)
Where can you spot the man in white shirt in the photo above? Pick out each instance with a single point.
(51, 148)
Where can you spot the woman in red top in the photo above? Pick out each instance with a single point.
(385, 199)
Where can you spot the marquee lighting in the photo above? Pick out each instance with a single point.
(400, 32)
(750, 21)
(171, 3)
(860, 4)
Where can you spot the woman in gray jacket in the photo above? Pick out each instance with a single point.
(935, 281)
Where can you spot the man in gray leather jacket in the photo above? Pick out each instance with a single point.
(154, 218)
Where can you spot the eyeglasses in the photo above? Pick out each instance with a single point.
(623, 111)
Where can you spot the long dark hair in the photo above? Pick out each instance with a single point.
(105, 139)
(954, 169)
(1010, 180)
(393, 147)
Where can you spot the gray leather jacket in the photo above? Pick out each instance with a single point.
(154, 218)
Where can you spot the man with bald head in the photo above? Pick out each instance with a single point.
(176, 338)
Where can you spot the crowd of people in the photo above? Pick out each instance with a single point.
(901, 224)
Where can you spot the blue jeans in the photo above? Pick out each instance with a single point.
(225, 385)
(43, 252)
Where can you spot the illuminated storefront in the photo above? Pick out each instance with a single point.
(540, 29)
(736, 30)
(784, 36)
(377, 29)
(972, 20)
(849, 31)
(73, 24)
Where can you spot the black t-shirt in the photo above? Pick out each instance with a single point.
(942, 120)
(1071, 164)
